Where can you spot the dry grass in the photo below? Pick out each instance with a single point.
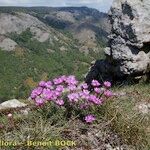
(120, 122)
(130, 122)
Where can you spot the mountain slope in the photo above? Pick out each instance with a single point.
(89, 26)
(18, 22)
(31, 49)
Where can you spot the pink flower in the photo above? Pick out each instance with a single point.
(97, 90)
(84, 85)
(95, 100)
(108, 93)
(107, 84)
(47, 94)
(84, 94)
(57, 81)
(71, 80)
(60, 88)
(55, 95)
(90, 118)
(33, 95)
(60, 102)
(95, 83)
(72, 87)
(37, 91)
(39, 101)
(63, 78)
(73, 97)
(92, 98)
(42, 83)
(48, 84)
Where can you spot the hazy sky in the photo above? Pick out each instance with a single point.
(102, 5)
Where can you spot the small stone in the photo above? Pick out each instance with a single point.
(143, 108)
(14, 103)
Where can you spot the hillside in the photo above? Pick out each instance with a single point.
(32, 49)
(89, 26)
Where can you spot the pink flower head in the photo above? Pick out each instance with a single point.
(95, 100)
(39, 101)
(42, 83)
(98, 101)
(90, 118)
(84, 86)
(84, 94)
(37, 91)
(95, 83)
(92, 98)
(48, 84)
(57, 81)
(108, 93)
(60, 88)
(71, 80)
(72, 87)
(59, 102)
(73, 97)
(47, 94)
(97, 90)
(33, 95)
(107, 84)
(63, 78)
(55, 95)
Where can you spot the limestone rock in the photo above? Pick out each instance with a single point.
(128, 54)
(39, 34)
(18, 22)
(14, 103)
(143, 108)
(7, 44)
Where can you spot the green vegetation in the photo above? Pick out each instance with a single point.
(23, 68)
(16, 70)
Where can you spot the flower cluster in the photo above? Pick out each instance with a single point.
(66, 89)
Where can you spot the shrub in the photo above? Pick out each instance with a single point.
(67, 93)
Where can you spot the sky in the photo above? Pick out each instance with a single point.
(101, 5)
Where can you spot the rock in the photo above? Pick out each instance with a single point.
(143, 108)
(7, 44)
(66, 16)
(39, 34)
(18, 22)
(128, 54)
(14, 103)
(50, 50)
(63, 48)
(25, 111)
